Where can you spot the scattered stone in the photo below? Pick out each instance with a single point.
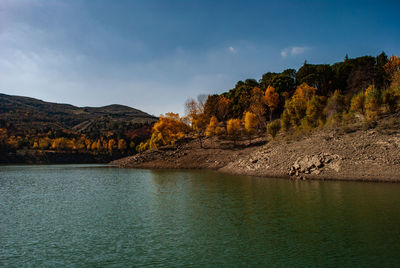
(312, 164)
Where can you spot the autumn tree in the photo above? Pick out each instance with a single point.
(391, 96)
(234, 129)
(143, 146)
(373, 102)
(271, 99)
(393, 65)
(223, 108)
(258, 107)
(44, 143)
(250, 123)
(122, 146)
(195, 112)
(210, 130)
(167, 130)
(211, 127)
(357, 103)
(220, 130)
(296, 107)
(61, 144)
(80, 144)
(315, 111)
(111, 145)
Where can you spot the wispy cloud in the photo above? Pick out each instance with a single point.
(232, 49)
(292, 51)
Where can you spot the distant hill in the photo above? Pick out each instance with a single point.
(24, 114)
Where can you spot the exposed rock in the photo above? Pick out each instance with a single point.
(312, 164)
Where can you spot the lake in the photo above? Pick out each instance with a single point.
(94, 215)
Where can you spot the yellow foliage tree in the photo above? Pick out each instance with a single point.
(111, 145)
(61, 144)
(210, 130)
(315, 111)
(143, 146)
(296, 107)
(357, 103)
(271, 99)
(234, 129)
(372, 102)
(35, 145)
(167, 130)
(250, 123)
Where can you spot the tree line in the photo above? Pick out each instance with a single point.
(110, 143)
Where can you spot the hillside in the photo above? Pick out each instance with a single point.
(25, 114)
(35, 131)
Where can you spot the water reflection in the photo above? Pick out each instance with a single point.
(101, 216)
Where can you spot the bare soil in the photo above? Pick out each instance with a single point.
(362, 152)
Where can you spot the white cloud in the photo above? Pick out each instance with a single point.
(291, 51)
(232, 49)
(298, 50)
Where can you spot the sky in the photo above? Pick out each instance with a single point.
(153, 55)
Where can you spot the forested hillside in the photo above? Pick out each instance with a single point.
(354, 90)
(35, 125)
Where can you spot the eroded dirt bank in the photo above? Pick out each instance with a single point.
(349, 153)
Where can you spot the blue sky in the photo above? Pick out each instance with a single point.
(153, 55)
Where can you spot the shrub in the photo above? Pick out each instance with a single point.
(285, 120)
(357, 103)
(389, 99)
(314, 113)
(335, 104)
(273, 128)
(372, 102)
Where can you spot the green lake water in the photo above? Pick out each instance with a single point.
(100, 216)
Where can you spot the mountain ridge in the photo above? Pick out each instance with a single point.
(26, 114)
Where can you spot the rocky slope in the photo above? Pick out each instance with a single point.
(357, 152)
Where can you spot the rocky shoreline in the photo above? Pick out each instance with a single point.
(357, 153)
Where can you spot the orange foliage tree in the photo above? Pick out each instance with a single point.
(257, 106)
(167, 130)
(271, 99)
(223, 108)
